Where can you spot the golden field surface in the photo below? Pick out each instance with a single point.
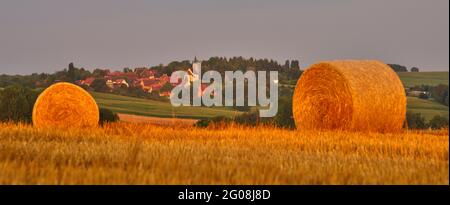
(124, 153)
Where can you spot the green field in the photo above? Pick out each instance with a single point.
(137, 106)
(427, 108)
(410, 79)
(144, 107)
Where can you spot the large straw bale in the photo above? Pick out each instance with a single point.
(353, 95)
(65, 105)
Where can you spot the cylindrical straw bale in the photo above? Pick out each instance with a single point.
(352, 95)
(65, 105)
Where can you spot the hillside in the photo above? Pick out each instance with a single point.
(144, 107)
(427, 108)
(410, 79)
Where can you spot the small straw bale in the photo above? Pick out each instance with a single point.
(65, 105)
(349, 95)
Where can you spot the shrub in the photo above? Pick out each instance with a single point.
(99, 85)
(439, 122)
(16, 104)
(415, 121)
(284, 115)
(106, 115)
(210, 121)
(248, 118)
(283, 119)
(440, 93)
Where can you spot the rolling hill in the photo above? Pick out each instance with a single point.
(144, 107)
(410, 79)
(428, 108)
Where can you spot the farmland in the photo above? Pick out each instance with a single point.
(124, 153)
(144, 107)
(157, 120)
(428, 108)
(177, 153)
(410, 79)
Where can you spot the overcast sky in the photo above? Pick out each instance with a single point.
(45, 35)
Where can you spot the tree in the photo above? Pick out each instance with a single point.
(121, 90)
(439, 122)
(398, 68)
(99, 85)
(127, 70)
(295, 64)
(106, 115)
(284, 115)
(71, 72)
(440, 93)
(166, 87)
(415, 121)
(99, 73)
(287, 64)
(16, 104)
(136, 92)
(414, 69)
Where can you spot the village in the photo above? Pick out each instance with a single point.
(143, 78)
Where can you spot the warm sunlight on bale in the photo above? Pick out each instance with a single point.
(65, 105)
(349, 95)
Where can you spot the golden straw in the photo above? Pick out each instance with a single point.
(65, 105)
(355, 95)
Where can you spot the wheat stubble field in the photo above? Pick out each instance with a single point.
(124, 153)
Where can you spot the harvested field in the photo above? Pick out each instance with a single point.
(124, 153)
(156, 120)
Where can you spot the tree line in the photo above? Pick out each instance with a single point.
(401, 68)
(289, 71)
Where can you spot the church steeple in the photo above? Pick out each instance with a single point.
(195, 59)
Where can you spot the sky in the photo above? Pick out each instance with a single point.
(46, 35)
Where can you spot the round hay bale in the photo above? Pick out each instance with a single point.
(353, 95)
(65, 105)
